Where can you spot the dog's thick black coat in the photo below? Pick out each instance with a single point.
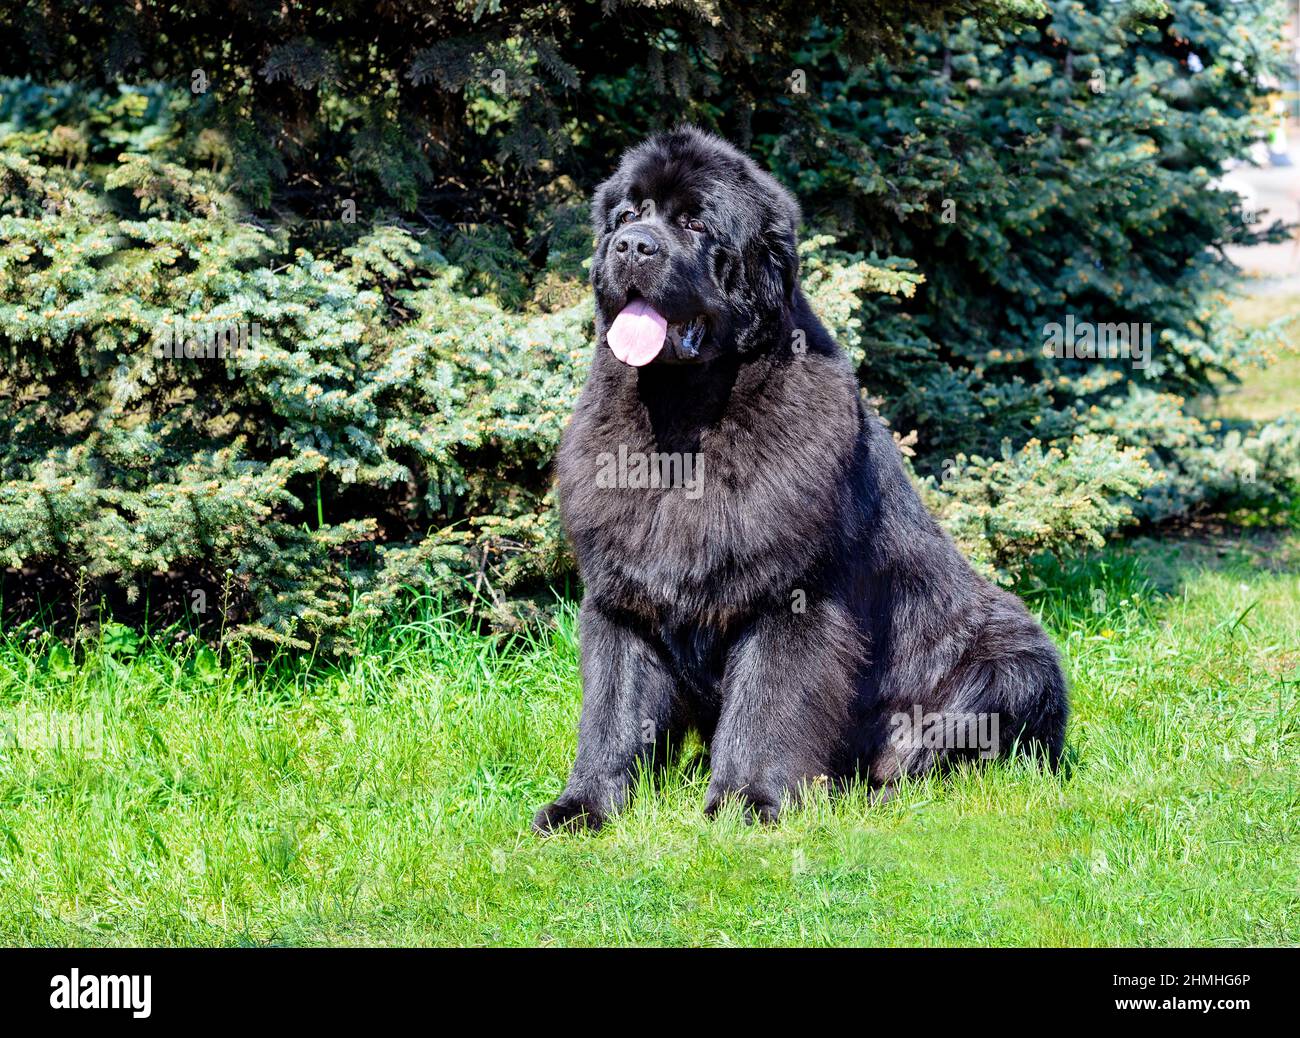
(801, 595)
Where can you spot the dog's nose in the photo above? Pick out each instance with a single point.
(636, 244)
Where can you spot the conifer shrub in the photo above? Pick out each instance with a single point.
(292, 303)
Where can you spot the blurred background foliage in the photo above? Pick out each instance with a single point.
(395, 195)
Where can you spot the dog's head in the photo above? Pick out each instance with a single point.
(695, 254)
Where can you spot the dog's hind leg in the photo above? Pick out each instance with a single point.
(1005, 694)
(1033, 695)
(1006, 699)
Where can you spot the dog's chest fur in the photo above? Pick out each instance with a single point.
(749, 524)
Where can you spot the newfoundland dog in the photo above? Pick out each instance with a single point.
(757, 565)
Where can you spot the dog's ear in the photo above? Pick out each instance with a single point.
(600, 203)
(784, 250)
(776, 276)
(772, 273)
(780, 242)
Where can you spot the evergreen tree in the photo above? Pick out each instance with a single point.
(292, 301)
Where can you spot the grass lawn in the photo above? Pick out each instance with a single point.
(1265, 395)
(389, 802)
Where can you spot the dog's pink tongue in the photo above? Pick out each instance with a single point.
(637, 334)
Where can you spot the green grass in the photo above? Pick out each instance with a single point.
(388, 802)
(1266, 394)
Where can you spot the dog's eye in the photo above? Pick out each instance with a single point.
(695, 225)
(625, 216)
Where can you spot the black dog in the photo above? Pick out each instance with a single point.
(757, 564)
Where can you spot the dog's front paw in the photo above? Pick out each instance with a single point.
(566, 815)
(758, 804)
